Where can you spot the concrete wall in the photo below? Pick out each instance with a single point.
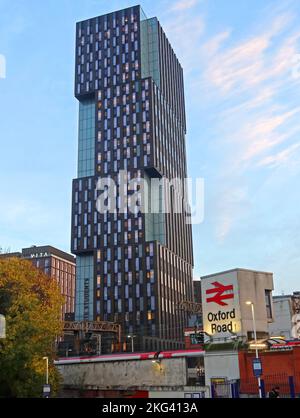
(221, 364)
(282, 325)
(185, 392)
(125, 374)
(252, 286)
(231, 314)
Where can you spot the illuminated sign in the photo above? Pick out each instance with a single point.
(220, 304)
(39, 255)
(197, 338)
(220, 294)
(257, 367)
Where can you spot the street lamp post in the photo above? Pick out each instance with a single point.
(47, 369)
(132, 343)
(256, 347)
(46, 387)
(2, 326)
(68, 350)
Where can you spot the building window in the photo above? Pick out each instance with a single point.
(84, 288)
(268, 298)
(86, 149)
(150, 316)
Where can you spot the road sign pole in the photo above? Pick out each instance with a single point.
(256, 348)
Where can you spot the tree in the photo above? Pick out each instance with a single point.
(4, 250)
(31, 303)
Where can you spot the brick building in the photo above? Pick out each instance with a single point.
(57, 264)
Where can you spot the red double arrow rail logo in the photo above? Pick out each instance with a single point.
(220, 294)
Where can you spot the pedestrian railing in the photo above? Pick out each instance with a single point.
(289, 386)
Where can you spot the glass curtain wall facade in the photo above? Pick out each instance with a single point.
(86, 139)
(133, 268)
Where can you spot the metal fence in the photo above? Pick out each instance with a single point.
(289, 387)
(229, 389)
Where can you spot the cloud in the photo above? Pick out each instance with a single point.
(227, 215)
(184, 30)
(263, 133)
(280, 158)
(248, 77)
(184, 5)
(252, 61)
(237, 68)
(252, 95)
(211, 47)
(263, 97)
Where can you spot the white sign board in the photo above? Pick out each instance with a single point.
(221, 305)
(2, 326)
(39, 255)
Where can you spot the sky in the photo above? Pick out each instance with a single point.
(241, 63)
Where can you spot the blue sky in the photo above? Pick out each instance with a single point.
(242, 96)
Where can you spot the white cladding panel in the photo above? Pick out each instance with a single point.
(221, 304)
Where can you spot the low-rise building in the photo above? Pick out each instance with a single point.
(228, 321)
(286, 316)
(280, 367)
(224, 303)
(165, 374)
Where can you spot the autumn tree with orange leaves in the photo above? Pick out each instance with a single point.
(31, 303)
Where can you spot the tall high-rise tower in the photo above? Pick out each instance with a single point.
(132, 268)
